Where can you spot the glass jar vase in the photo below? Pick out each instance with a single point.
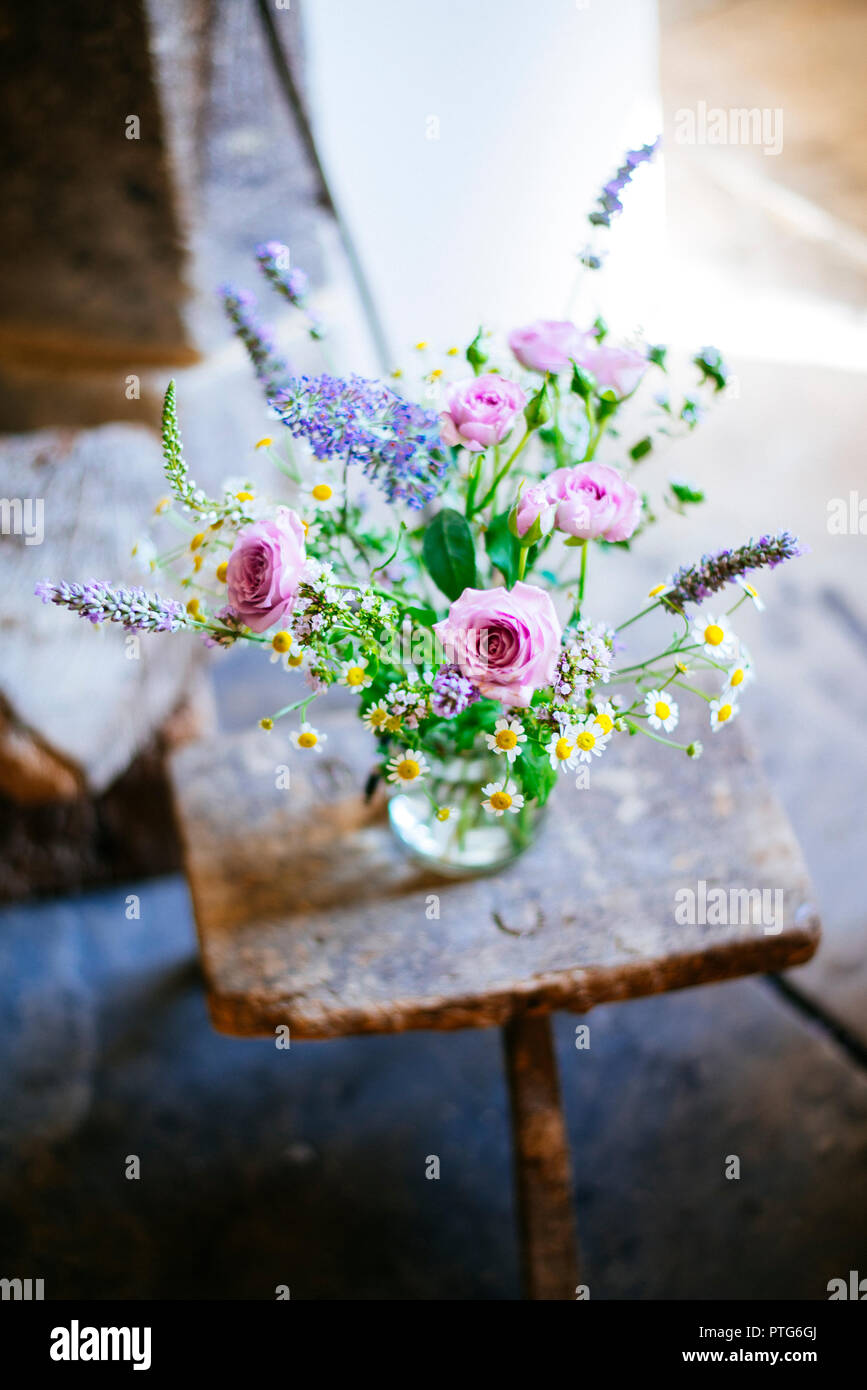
(468, 840)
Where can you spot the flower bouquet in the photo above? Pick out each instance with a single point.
(452, 606)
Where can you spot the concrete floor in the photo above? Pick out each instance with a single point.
(307, 1167)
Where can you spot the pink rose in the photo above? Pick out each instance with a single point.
(481, 410)
(506, 641)
(548, 345)
(594, 500)
(616, 368)
(535, 504)
(264, 569)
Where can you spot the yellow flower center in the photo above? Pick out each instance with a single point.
(198, 561)
(266, 724)
(355, 675)
(501, 801)
(244, 496)
(392, 723)
(737, 676)
(506, 738)
(661, 709)
(605, 722)
(378, 717)
(713, 634)
(443, 813)
(307, 739)
(586, 740)
(407, 769)
(322, 492)
(222, 571)
(197, 540)
(193, 607)
(563, 748)
(263, 443)
(295, 660)
(657, 590)
(162, 506)
(281, 641)
(723, 713)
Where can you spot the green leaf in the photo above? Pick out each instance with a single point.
(449, 554)
(641, 449)
(684, 492)
(537, 776)
(502, 547)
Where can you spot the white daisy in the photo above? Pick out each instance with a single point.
(507, 738)
(308, 738)
(606, 713)
(750, 592)
(723, 711)
(714, 636)
(322, 495)
(443, 813)
(407, 766)
(354, 674)
(375, 718)
(740, 674)
(502, 799)
(281, 643)
(145, 554)
(589, 742)
(561, 749)
(661, 710)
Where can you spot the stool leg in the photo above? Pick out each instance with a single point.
(546, 1218)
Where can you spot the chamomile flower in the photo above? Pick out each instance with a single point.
(714, 636)
(561, 749)
(739, 675)
(507, 738)
(443, 813)
(750, 592)
(407, 767)
(354, 673)
(280, 644)
(605, 715)
(589, 741)
(322, 495)
(375, 718)
(307, 738)
(723, 711)
(502, 799)
(661, 710)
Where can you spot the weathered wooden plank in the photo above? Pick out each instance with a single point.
(85, 699)
(543, 1181)
(308, 914)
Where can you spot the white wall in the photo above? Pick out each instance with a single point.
(536, 100)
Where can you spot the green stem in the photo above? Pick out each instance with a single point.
(581, 580)
(636, 616)
(669, 742)
(498, 476)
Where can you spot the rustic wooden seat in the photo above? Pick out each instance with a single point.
(309, 916)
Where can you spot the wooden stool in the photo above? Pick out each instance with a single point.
(310, 916)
